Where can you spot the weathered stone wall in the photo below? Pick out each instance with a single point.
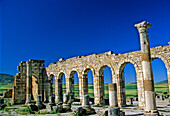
(96, 63)
(7, 93)
(38, 81)
(19, 90)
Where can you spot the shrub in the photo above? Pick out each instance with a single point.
(58, 113)
(77, 114)
(8, 104)
(6, 109)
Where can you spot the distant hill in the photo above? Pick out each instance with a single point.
(6, 78)
(165, 81)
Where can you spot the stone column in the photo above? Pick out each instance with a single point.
(70, 86)
(147, 66)
(113, 95)
(28, 82)
(120, 90)
(123, 88)
(140, 87)
(168, 73)
(85, 101)
(84, 86)
(40, 86)
(57, 90)
(98, 96)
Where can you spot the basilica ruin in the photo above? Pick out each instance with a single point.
(34, 79)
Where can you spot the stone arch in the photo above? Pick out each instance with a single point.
(85, 84)
(120, 82)
(156, 56)
(58, 87)
(87, 68)
(50, 85)
(101, 81)
(123, 63)
(165, 61)
(103, 66)
(112, 68)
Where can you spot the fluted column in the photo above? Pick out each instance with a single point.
(28, 82)
(147, 66)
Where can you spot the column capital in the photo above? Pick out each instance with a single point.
(143, 26)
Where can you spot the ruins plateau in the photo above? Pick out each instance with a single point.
(33, 82)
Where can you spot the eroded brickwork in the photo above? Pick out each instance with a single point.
(96, 63)
(37, 79)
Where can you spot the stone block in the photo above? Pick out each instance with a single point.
(103, 112)
(114, 111)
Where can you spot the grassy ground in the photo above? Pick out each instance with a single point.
(5, 86)
(130, 89)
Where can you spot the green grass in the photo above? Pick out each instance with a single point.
(5, 86)
(130, 89)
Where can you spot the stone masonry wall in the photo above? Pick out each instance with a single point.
(96, 63)
(37, 77)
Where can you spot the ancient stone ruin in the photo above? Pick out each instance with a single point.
(35, 80)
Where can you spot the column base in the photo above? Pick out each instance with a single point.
(141, 108)
(152, 113)
(113, 106)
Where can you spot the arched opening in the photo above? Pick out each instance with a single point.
(105, 75)
(129, 84)
(160, 80)
(34, 88)
(90, 86)
(52, 85)
(61, 86)
(74, 85)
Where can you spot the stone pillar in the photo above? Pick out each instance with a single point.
(38, 102)
(85, 101)
(147, 66)
(66, 102)
(113, 95)
(84, 86)
(123, 88)
(168, 74)
(120, 91)
(57, 88)
(130, 101)
(51, 100)
(70, 87)
(28, 82)
(98, 96)
(140, 87)
(40, 86)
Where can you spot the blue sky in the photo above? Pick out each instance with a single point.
(51, 29)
